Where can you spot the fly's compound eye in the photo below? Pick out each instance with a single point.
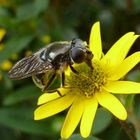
(77, 55)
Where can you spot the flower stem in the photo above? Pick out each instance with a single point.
(129, 131)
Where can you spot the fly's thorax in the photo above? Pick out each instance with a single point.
(56, 50)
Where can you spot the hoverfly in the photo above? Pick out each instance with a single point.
(52, 61)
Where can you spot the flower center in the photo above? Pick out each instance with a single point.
(89, 81)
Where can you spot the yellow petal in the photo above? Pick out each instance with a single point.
(125, 66)
(123, 87)
(119, 50)
(46, 97)
(53, 107)
(95, 42)
(111, 103)
(66, 90)
(73, 117)
(88, 117)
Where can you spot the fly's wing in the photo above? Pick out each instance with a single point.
(29, 66)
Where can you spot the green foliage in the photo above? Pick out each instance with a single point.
(15, 45)
(26, 23)
(22, 119)
(102, 121)
(24, 93)
(31, 10)
(78, 137)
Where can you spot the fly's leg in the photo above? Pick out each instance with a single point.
(89, 63)
(63, 79)
(52, 91)
(77, 73)
(59, 93)
(74, 70)
(63, 84)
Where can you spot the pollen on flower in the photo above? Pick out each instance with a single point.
(89, 81)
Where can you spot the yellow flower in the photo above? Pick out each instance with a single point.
(6, 65)
(1, 47)
(2, 33)
(28, 53)
(3, 2)
(14, 56)
(0, 76)
(46, 39)
(93, 87)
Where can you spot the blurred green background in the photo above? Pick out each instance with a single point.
(27, 26)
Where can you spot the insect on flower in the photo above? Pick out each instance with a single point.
(51, 62)
(93, 87)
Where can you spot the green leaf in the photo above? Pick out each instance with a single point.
(4, 12)
(137, 105)
(22, 120)
(6, 20)
(135, 117)
(63, 32)
(129, 101)
(102, 120)
(7, 134)
(6, 81)
(22, 94)
(25, 12)
(78, 137)
(31, 10)
(136, 4)
(134, 76)
(15, 45)
(40, 6)
(57, 123)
